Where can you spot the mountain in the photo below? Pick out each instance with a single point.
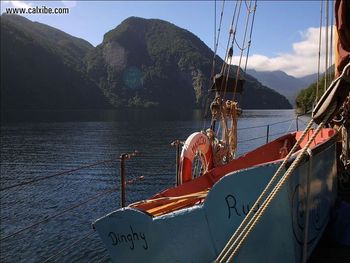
(283, 83)
(308, 79)
(43, 68)
(150, 62)
(141, 63)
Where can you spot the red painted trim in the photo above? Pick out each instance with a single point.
(268, 153)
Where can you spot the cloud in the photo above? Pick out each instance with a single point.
(302, 61)
(69, 4)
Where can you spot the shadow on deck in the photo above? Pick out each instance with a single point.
(334, 246)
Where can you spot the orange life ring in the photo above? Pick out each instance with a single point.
(196, 142)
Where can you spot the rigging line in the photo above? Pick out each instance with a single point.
(241, 53)
(326, 57)
(260, 137)
(58, 174)
(239, 47)
(302, 121)
(232, 33)
(252, 139)
(214, 27)
(319, 53)
(240, 59)
(226, 66)
(261, 209)
(331, 42)
(218, 36)
(279, 122)
(249, 44)
(233, 239)
(246, 5)
(45, 220)
(270, 124)
(253, 127)
(250, 36)
(66, 248)
(227, 50)
(104, 258)
(290, 126)
(280, 133)
(256, 217)
(206, 100)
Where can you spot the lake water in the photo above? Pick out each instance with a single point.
(52, 143)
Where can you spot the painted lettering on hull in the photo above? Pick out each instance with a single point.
(318, 217)
(131, 239)
(234, 207)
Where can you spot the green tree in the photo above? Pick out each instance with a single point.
(307, 97)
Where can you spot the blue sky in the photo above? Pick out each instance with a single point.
(279, 25)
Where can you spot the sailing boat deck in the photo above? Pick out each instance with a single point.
(171, 221)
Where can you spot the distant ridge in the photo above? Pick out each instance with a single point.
(283, 83)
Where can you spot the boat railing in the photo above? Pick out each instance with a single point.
(267, 132)
(121, 160)
(45, 219)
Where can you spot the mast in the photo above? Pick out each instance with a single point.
(229, 82)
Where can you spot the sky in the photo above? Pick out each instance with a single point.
(285, 34)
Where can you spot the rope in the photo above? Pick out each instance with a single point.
(252, 127)
(218, 36)
(252, 139)
(214, 46)
(229, 52)
(103, 258)
(326, 57)
(239, 47)
(260, 137)
(68, 247)
(246, 5)
(206, 101)
(241, 56)
(278, 133)
(270, 124)
(58, 174)
(232, 42)
(331, 43)
(46, 219)
(319, 54)
(279, 170)
(290, 126)
(250, 36)
(302, 121)
(227, 66)
(271, 196)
